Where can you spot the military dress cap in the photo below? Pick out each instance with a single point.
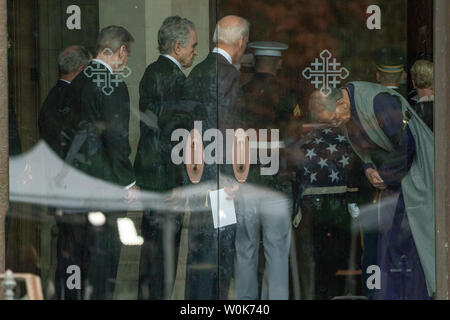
(267, 48)
(390, 60)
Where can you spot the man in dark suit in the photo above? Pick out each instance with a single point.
(213, 86)
(53, 116)
(100, 115)
(71, 61)
(160, 91)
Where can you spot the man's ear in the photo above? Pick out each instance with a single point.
(123, 51)
(177, 48)
(241, 42)
(378, 76)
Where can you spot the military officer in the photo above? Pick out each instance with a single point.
(390, 64)
(265, 106)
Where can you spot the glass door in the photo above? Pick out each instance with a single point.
(220, 149)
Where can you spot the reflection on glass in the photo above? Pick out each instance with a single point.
(337, 111)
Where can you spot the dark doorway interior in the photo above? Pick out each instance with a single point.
(38, 32)
(420, 32)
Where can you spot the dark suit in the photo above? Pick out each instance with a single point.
(160, 91)
(425, 110)
(104, 121)
(53, 129)
(100, 118)
(213, 86)
(52, 118)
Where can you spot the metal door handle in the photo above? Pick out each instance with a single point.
(194, 156)
(241, 155)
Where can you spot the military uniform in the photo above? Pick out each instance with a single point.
(327, 181)
(391, 61)
(269, 208)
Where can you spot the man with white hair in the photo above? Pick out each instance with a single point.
(213, 87)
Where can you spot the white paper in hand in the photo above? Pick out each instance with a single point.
(222, 209)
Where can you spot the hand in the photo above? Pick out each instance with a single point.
(175, 196)
(132, 194)
(375, 179)
(231, 191)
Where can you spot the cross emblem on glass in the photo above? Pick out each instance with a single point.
(103, 78)
(325, 73)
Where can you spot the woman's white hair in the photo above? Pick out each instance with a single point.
(231, 34)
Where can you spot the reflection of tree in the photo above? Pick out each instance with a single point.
(310, 26)
(305, 27)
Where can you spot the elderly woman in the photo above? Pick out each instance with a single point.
(397, 150)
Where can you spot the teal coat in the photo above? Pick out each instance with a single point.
(418, 184)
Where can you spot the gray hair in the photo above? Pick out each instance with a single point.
(174, 30)
(231, 34)
(113, 38)
(422, 74)
(71, 58)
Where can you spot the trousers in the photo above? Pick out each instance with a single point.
(272, 217)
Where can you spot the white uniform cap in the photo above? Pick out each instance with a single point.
(268, 48)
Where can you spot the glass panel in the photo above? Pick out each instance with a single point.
(346, 231)
(152, 159)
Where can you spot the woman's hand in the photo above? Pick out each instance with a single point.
(375, 179)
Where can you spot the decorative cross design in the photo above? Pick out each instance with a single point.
(325, 74)
(103, 78)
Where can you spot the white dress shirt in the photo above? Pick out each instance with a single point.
(104, 63)
(426, 99)
(223, 53)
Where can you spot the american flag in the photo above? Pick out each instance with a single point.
(327, 161)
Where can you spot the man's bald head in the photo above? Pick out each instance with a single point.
(231, 29)
(323, 107)
(328, 102)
